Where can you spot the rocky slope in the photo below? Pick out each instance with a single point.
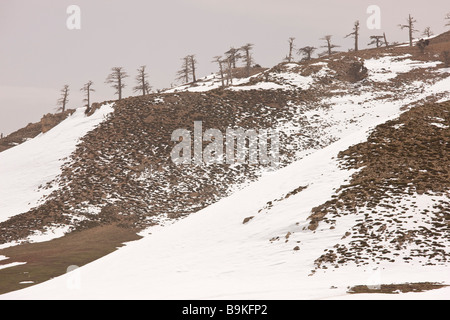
(121, 172)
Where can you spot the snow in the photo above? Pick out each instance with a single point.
(38, 161)
(388, 67)
(211, 254)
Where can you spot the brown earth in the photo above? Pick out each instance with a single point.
(402, 157)
(397, 288)
(50, 259)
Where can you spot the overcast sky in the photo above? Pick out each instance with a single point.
(39, 54)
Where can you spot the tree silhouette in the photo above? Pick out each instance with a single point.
(87, 91)
(62, 102)
(306, 52)
(219, 61)
(329, 46)
(233, 55)
(248, 59)
(142, 83)
(185, 70)
(377, 40)
(410, 26)
(289, 57)
(193, 63)
(115, 78)
(427, 32)
(355, 34)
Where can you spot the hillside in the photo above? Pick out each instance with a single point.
(32, 130)
(362, 182)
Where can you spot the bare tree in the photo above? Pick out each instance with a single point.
(291, 49)
(219, 61)
(62, 102)
(306, 52)
(329, 46)
(427, 32)
(185, 70)
(142, 82)
(233, 55)
(115, 78)
(386, 43)
(410, 26)
(193, 63)
(377, 40)
(229, 62)
(355, 34)
(87, 91)
(248, 59)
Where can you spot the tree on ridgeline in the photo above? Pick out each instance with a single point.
(329, 47)
(355, 35)
(410, 23)
(193, 63)
(220, 62)
(142, 82)
(229, 64)
(306, 52)
(427, 32)
(376, 40)
(386, 43)
(447, 17)
(289, 57)
(233, 55)
(87, 89)
(247, 57)
(115, 78)
(62, 102)
(185, 70)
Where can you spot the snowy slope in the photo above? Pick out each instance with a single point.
(27, 168)
(211, 254)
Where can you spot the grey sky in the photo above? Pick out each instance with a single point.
(38, 54)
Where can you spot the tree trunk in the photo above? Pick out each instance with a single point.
(410, 31)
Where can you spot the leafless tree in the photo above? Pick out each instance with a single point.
(306, 52)
(185, 70)
(233, 55)
(142, 82)
(62, 102)
(386, 43)
(329, 46)
(87, 91)
(377, 40)
(289, 57)
(193, 63)
(220, 62)
(115, 78)
(410, 26)
(247, 57)
(355, 35)
(427, 32)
